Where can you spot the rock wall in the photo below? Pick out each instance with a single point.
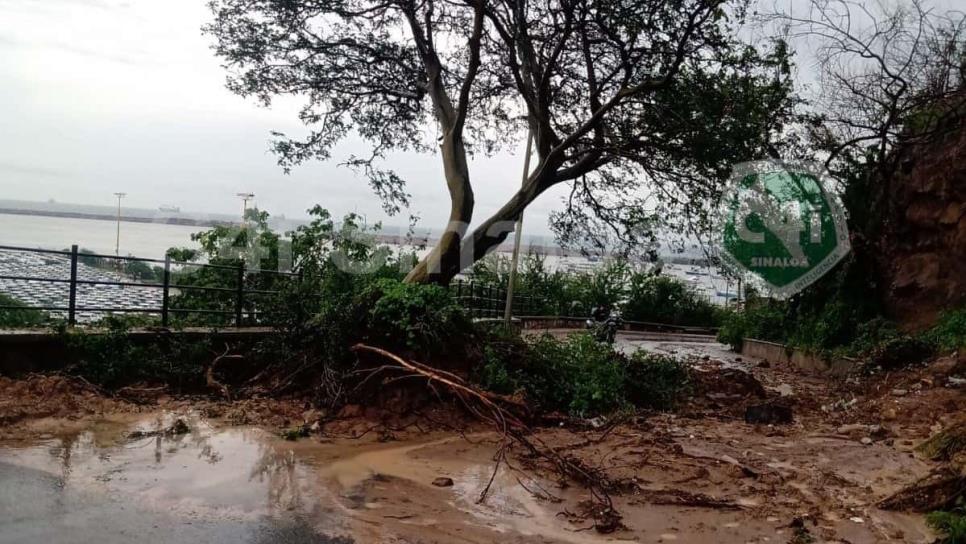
(922, 248)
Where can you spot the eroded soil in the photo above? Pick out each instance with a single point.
(70, 472)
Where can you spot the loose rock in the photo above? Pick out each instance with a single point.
(443, 482)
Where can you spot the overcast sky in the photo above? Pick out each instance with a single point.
(98, 96)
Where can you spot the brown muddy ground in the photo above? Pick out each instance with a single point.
(699, 475)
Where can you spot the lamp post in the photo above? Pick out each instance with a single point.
(117, 242)
(245, 198)
(517, 235)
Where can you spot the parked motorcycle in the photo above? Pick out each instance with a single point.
(604, 324)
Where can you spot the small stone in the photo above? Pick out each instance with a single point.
(785, 390)
(899, 392)
(879, 432)
(889, 414)
(443, 482)
(866, 441)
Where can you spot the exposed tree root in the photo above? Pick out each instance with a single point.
(508, 416)
(677, 497)
(938, 491)
(210, 379)
(946, 445)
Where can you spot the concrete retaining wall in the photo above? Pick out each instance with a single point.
(835, 366)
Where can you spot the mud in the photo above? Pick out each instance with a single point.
(700, 475)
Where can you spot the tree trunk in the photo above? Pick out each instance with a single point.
(449, 257)
(444, 262)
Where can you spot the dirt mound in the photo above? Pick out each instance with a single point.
(39, 396)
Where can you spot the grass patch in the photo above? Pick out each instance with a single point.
(950, 332)
(951, 524)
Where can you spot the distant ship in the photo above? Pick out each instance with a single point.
(170, 209)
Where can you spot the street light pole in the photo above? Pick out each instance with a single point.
(517, 235)
(245, 198)
(117, 242)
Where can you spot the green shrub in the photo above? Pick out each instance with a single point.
(951, 524)
(422, 318)
(579, 375)
(497, 371)
(656, 381)
(871, 335)
(18, 318)
(664, 299)
(113, 358)
(764, 320)
(830, 326)
(950, 332)
(576, 375)
(899, 352)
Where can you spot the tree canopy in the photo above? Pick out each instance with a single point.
(640, 106)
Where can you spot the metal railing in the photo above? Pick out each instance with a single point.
(165, 310)
(488, 300)
(480, 300)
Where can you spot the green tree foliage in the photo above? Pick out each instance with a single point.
(321, 259)
(20, 317)
(137, 270)
(624, 99)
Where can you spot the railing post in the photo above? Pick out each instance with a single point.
(472, 285)
(489, 303)
(240, 294)
(166, 281)
(72, 297)
(301, 301)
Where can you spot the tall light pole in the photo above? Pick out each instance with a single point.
(517, 235)
(117, 242)
(245, 198)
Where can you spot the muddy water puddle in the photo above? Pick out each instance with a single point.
(244, 484)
